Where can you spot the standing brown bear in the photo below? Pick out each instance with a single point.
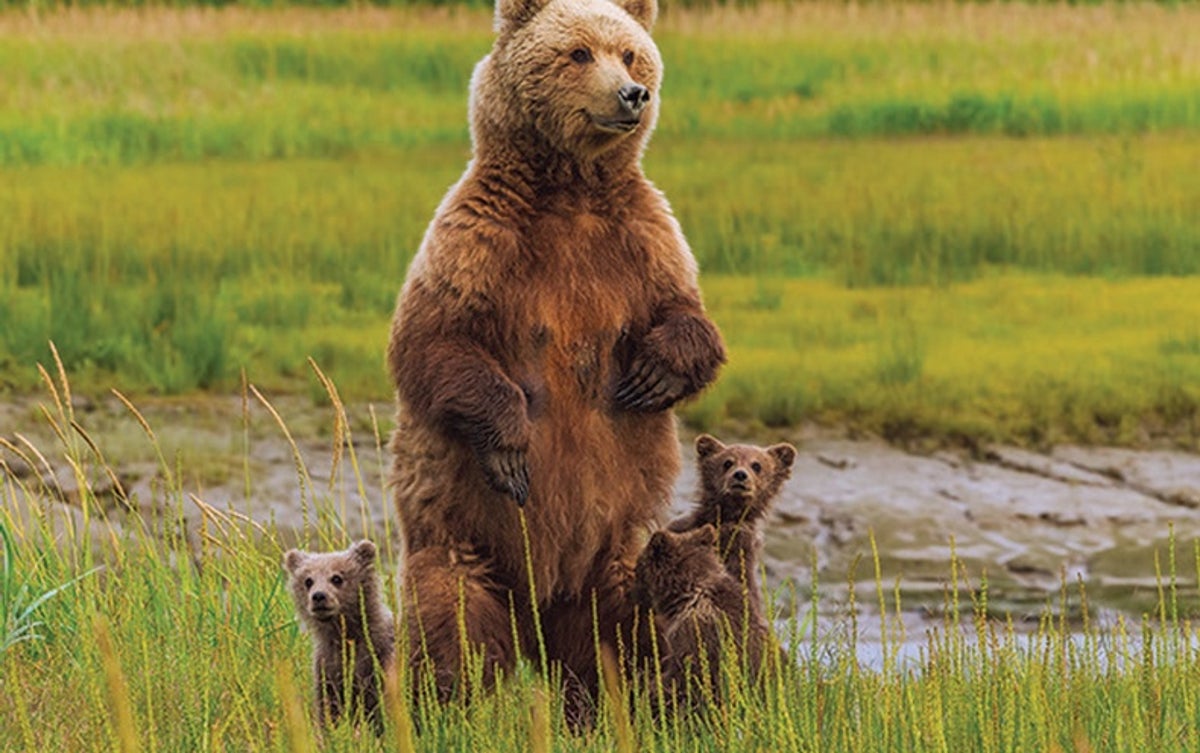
(548, 323)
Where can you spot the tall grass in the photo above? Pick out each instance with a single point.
(1034, 360)
(138, 279)
(189, 642)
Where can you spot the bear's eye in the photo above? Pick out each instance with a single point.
(627, 58)
(581, 55)
(756, 467)
(308, 582)
(336, 580)
(728, 464)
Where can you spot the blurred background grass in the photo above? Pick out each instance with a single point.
(967, 221)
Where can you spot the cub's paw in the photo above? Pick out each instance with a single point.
(650, 386)
(507, 472)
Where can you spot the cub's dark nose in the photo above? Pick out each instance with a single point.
(633, 98)
(740, 475)
(318, 597)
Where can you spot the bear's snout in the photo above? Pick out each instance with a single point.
(634, 98)
(740, 476)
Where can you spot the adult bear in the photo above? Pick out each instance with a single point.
(548, 323)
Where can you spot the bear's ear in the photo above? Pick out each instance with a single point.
(659, 544)
(784, 454)
(707, 444)
(513, 14)
(706, 535)
(363, 552)
(292, 560)
(645, 12)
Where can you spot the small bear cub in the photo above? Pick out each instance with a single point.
(738, 483)
(698, 608)
(339, 598)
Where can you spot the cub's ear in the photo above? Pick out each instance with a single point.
(705, 535)
(364, 552)
(707, 444)
(513, 14)
(645, 12)
(784, 454)
(659, 544)
(292, 560)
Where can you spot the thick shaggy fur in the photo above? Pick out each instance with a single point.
(700, 611)
(340, 601)
(737, 485)
(548, 323)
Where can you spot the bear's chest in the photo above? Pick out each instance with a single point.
(584, 294)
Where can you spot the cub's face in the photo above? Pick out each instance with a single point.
(673, 565)
(742, 475)
(584, 72)
(327, 585)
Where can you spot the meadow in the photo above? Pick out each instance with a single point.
(190, 193)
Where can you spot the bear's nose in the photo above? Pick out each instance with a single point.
(740, 475)
(318, 597)
(633, 98)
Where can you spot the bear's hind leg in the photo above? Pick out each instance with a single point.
(443, 597)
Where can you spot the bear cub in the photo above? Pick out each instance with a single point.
(339, 598)
(737, 486)
(738, 483)
(698, 609)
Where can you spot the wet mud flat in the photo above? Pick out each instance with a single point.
(1031, 522)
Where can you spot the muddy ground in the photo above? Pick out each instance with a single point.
(1028, 520)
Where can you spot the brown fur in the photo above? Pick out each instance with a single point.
(738, 483)
(548, 323)
(339, 599)
(700, 610)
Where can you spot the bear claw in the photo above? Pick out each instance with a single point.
(650, 387)
(508, 473)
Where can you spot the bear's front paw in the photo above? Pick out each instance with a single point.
(508, 472)
(650, 386)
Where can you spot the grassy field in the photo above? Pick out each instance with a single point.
(903, 214)
(103, 87)
(145, 636)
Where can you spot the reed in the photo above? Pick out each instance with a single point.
(188, 642)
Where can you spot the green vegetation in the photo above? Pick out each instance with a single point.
(889, 203)
(1039, 360)
(187, 641)
(118, 87)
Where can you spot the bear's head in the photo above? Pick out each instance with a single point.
(573, 78)
(328, 585)
(674, 567)
(741, 479)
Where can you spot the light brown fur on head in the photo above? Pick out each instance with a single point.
(738, 482)
(551, 87)
(339, 598)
